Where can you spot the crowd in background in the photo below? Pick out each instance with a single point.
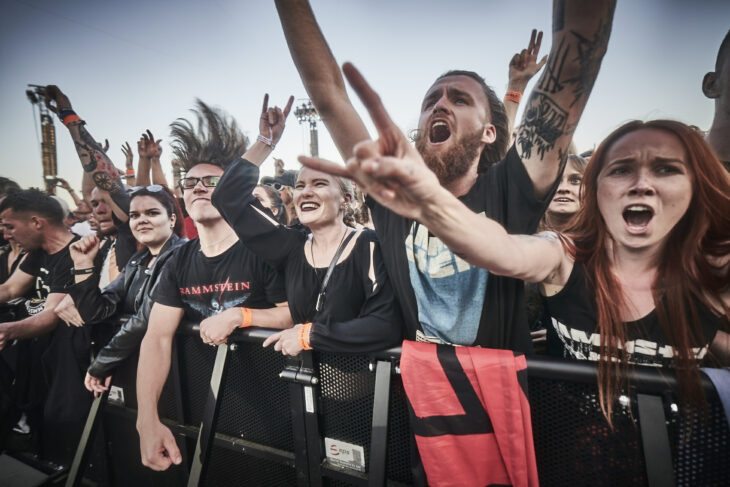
(482, 231)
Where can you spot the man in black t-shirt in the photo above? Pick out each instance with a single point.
(462, 135)
(214, 280)
(35, 221)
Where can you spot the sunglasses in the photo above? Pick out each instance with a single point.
(154, 188)
(190, 183)
(276, 186)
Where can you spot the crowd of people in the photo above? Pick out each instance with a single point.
(622, 254)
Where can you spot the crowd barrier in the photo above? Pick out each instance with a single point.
(246, 415)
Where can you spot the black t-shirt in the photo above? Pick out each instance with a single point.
(51, 271)
(573, 320)
(204, 286)
(443, 295)
(359, 313)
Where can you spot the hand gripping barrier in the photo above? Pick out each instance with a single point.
(245, 415)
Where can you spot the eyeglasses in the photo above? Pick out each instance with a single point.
(190, 183)
(276, 186)
(154, 188)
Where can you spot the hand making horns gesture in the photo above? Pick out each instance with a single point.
(389, 169)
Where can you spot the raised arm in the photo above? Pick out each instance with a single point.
(157, 444)
(580, 37)
(392, 172)
(522, 67)
(321, 75)
(93, 158)
(271, 126)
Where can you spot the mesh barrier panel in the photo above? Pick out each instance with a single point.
(196, 367)
(398, 457)
(255, 403)
(573, 443)
(346, 399)
(700, 446)
(230, 468)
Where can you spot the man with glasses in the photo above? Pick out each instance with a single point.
(213, 280)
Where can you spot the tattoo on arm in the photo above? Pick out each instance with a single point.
(543, 123)
(104, 181)
(559, 16)
(589, 58)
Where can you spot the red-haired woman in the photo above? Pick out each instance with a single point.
(643, 272)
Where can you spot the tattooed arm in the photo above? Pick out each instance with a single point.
(94, 160)
(580, 37)
(321, 75)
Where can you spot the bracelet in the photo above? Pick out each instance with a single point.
(69, 119)
(266, 141)
(82, 272)
(246, 314)
(304, 336)
(514, 96)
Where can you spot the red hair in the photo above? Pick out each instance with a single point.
(684, 275)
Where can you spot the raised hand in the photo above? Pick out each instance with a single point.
(524, 64)
(272, 120)
(55, 99)
(389, 169)
(64, 184)
(83, 251)
(148, 147)
(128, 155)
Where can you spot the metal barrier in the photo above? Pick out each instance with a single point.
(254, 417)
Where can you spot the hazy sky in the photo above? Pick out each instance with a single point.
(131, 65)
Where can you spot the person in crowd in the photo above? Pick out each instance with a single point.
(522, 67)
(130, 178)
(567, 198)
(271, 200)
(11, 251)
(337, 288)
(35, 221)
(108, 198)
(156, 222)
(640, 276)
(284, 182)
(716, 86)
(463, 136)
(211, 277)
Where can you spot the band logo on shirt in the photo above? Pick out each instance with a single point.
(215, 288)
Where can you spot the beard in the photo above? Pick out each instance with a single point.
(455, 161)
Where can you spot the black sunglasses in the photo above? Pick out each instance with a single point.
(190, 183)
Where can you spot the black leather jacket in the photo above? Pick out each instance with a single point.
(128, 338)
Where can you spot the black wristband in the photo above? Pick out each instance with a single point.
(82, 272)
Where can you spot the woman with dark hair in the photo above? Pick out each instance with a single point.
(567, 198)
(271, 199)
(155, 218)
(338, 291)
(642, 273)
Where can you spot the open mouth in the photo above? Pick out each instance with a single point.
(637, 217)
(308, 206)
(563, 199)
(439, 132)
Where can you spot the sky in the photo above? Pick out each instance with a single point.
(133, 65)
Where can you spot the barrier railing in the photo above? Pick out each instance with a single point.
(245, 415)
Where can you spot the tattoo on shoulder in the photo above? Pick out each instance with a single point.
(105, 182)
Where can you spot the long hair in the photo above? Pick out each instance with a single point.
(684, 275)
(549, 222)
(276, 204)
(216, 140)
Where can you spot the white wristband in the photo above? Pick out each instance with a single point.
(266, 141)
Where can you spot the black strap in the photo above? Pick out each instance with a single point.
(333, 263)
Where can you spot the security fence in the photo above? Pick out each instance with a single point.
(246, 415)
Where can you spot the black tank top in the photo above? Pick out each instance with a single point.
(574, 334)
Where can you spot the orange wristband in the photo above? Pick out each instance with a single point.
(514, 96)
(68, 119)
(246, 315)
(304, 336)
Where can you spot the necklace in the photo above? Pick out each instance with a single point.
(311, 250)
(213, 244)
